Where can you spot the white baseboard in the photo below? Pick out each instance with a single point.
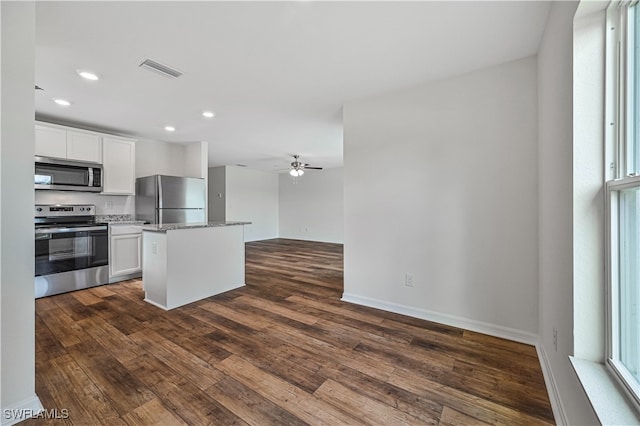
(559, 412)
(21, 410)
(454, 321)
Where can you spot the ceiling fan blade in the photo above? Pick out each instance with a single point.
(312, 168)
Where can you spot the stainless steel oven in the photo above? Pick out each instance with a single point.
(72, 250)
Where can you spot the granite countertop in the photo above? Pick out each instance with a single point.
(118, 219)
(127, 222)
(176, 226)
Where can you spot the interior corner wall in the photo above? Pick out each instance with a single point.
(252, 195)
(312, 207)
(159, 158)
(440, 182)
(195, 159)
(17, 300)
(555, 215)
(216, 193)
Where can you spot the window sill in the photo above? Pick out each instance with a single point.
(606, 398)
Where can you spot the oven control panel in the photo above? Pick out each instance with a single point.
(61, 210)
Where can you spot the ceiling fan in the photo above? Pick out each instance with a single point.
(297, 167)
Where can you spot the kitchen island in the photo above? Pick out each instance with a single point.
(184, 263)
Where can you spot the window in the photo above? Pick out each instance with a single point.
(623, 192)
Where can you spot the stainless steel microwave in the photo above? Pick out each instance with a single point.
(67, 175)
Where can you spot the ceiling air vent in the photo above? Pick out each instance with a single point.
(159, 68)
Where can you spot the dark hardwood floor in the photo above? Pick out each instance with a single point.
(282, 350)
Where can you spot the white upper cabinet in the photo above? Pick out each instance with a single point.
(118, 165)
(116, 154)
(84, 146)
(71, 144)
(51, 142)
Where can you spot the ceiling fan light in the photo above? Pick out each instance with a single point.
(300, 172)
(293, 172)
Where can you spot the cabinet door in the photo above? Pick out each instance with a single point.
(118, 163)
(125, 257)
(50, 142)
(84, 147)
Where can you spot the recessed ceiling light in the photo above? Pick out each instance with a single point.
(170, 128)
(208, 114)
(62, 102)
(88, 75)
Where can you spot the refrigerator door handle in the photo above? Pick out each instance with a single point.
(159, 184)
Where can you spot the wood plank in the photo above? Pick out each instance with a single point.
(152, 413)
(250, 406)
(278, 309)
(86, 297)
(179, 395)
(65, 329)
(463, 402)
(185, 363)
(48, 346)
(299, 403)
(72, 389)
(451, 417)
(102, 291)
(246, 320)
(339, 310)
(113, 340)
(120, 387)
(365, 409)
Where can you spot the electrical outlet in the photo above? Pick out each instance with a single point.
(109, 205)
(555, 339)
(154, 248)
(408, 279)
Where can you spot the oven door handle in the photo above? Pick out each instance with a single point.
(63, 230)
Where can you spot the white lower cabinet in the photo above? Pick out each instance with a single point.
(125, 252)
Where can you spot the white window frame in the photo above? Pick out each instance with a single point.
(616, 167)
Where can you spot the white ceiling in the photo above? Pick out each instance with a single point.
(275, 73)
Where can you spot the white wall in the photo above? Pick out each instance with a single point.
(588, 176)
(252, 195)
(196, 156)
(441, 182)
(555, 213)
(195, 159)
(159, 158)
(312, 207)
(17, 307)
(216, 193)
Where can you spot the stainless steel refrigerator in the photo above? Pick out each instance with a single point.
(170, 199)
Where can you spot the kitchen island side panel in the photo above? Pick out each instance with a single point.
(154, 268)
(182, 266)
(204, 262)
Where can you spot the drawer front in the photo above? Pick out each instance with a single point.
(124, 229)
